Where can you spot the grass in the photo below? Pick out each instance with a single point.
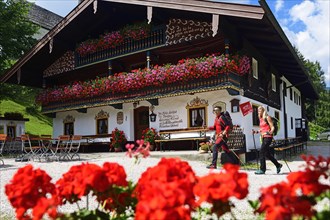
(38, 124)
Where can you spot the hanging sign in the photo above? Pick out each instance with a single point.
(246, 108)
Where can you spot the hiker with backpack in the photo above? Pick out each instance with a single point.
(267, 131)
(222, 126)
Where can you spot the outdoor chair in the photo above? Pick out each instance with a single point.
(62, 147)
(3, 138)
(75, 145)
(31, 149)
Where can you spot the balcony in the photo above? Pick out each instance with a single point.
(230, 82)
(155, 39)
(191, 75)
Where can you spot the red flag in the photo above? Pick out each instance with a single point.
(246, 108)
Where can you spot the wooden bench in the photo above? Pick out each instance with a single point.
(195, 135)
(288, 147)
(95, 141)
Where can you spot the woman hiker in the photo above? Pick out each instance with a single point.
(266, 131)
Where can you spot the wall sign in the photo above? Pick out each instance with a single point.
(178, 30)
(120, 118)
(169, 119)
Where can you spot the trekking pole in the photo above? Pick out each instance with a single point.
(255, 148)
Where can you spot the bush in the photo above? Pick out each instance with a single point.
(32, 110)
(314, 129)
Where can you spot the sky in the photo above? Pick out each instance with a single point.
(305, 23)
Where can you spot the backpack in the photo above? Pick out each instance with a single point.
(227, 121)
(276, 124)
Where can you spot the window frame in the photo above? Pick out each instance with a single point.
(71, 128)
(255, 68)
(191, 119)
(255, 118)
(194, 104)
(273, 82)
(98, 121)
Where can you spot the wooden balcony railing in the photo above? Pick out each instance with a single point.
(222, 81)
(156, 38)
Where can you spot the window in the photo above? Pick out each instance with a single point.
(68, 125)
(102, 126)
(298, 100)
(298, 123)
(196, 110)
(102, 122)
(234, 105)
(284, 88)
(273, 82)
(255, 68)
(290, 93)
(295, 97)
(68, 128)
(291, 123)
(197, 117)
(255, 118)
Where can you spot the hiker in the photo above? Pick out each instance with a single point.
(266, 131)
(222, 128)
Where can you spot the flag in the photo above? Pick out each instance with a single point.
(246, 108)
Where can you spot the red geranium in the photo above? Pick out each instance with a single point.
(166, 191)
(28, 188)
(297, 196)
(218, 188)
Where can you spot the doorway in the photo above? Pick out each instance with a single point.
(301, 128)
(141, 121)
(11, 131)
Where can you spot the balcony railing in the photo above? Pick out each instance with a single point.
(222, 81)
(156, 38)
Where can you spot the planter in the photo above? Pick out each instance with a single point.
(118, 149)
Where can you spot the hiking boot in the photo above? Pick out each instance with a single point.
(278, 169)
(212, 166)
(259, 172)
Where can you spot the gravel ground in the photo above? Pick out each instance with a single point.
(134, 171)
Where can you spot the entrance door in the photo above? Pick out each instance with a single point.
(301, 128)
(141, 121)
(11, 131)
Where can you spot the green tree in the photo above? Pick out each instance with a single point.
(318, 111)
(16, 31)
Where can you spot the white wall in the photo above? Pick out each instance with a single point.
(85, 123)
(20, 126)
(293, 109)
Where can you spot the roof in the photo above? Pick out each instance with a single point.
(40, 16)
(255, 23)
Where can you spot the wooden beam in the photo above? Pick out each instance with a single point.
(82, 110)
(153, 102)
(117, 106)
(245, 11)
